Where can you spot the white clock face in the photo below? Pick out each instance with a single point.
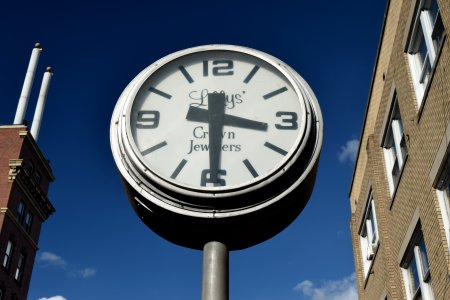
(216, 120)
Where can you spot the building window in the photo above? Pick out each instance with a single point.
(20, 267)
(28, 221)
(20, 211)
(425, 39)
(416, 269)
(394, 144)
(38, 177)
(24, 217)
(8, 255)
(30, 167)
(369, 235)
(443, 194)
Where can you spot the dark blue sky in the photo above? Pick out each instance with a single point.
(95, 247)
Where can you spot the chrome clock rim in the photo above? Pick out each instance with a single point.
(164, 193)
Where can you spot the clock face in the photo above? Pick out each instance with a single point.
(216, 120)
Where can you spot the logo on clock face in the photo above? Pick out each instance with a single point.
(200, 140)
(231, 100)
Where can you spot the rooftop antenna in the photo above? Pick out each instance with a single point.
(41, 103)
(27, 84)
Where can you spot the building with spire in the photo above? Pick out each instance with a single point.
(25, 176)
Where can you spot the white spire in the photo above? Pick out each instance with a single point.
(41, 103)
(27, 84)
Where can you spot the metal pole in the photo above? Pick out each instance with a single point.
(215, 272)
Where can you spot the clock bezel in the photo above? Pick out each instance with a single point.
(193, 219)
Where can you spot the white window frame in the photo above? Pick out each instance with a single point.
(440, 179)
(369, 235)
(425, 34)
(20, 211)
(393, 142)
(28, 221)
(20, 267)
(415, 257)
(8, 255)
(443, 195)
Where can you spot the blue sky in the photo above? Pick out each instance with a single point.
(94, 246)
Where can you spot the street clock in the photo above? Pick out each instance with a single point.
(217, 143)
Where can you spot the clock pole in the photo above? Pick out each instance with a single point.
(200, 200)
(215, 271)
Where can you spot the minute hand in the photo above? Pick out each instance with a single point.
(201, 115)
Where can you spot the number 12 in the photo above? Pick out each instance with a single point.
(222, 68)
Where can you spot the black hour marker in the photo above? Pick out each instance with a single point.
(275, 148)
(154, 148)
(205, 68)
(274, 93)
(158, 92)
(186, 74)
(178, 169)
(251, 74)
(250, 168)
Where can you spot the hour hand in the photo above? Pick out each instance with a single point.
(201, 115)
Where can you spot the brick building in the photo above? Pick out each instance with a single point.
(399, 196)
(25, 176)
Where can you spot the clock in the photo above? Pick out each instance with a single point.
(215, 138)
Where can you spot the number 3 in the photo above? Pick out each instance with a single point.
(289, 123)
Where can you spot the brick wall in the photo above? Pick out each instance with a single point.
(424, 128)
(18, 183)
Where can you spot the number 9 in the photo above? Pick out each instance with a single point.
(149, 117)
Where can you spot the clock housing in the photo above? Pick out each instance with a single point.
(160, 128)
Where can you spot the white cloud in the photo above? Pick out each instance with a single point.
(54, 298)
(348, 151)
(86, 273)
(52, 259)
(341, 289)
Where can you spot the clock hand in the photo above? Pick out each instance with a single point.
(201, 115)
(215, 115)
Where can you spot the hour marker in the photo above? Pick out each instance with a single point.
(154, 148)
(274, 93)
(275, 148)
(205, 68)
(178, 169)
(158, 92)
(250, 168)
(251, 74)
(186, 74)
